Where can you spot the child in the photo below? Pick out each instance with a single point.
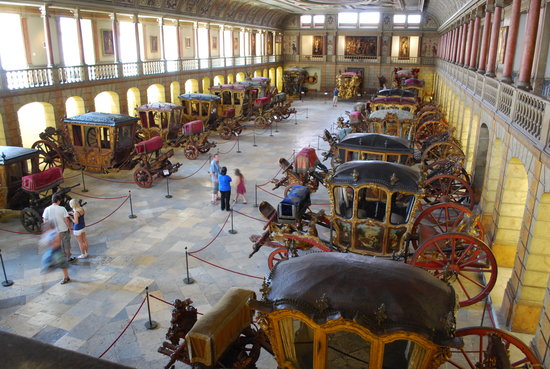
(79, 227)
(241, 188)
(54, 257)
(225, 188)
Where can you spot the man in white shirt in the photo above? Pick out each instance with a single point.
(60, 218)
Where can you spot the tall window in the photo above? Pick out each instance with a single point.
(128, 52)
(318, 21)
(69, 41)
(12, 49)
(305, 21)
(242, 44)
(414, 18)
(227, 43)
(87, 41)
(399, 18)
(170, 42)
(347, 19)
(369, 19)
(203, 43)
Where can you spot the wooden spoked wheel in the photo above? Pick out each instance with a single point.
(50, 155)
(31, 220)
(484, 344)
(191, 152)
(430, 128)
(225, 133)
(443, 218)
(441, 150)
(143, 178)
(261, 122)
(461, 260)
(276, 256)
(448, 188)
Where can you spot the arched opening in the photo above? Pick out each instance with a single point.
(74, 106)
(480, 162)
(279, 81)
(457, 118)
(466, 121)
(272, 76)
(134, 101)
(155, 93)
(218, 80)
(257, 73)
(175, 91)
(33, 120)
(512, 206)
(191, 86)
(206, 85)
(240, 77)
(107, 102)
(489, 193)
(3, 140)
(472, 144)
(265, 73)
(230, 78)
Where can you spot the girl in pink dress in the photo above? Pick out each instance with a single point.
(241, 189)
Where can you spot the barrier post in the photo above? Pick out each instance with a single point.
(151, 324)
(307, 113)
(238, 145)
(271, 130)
(255, 195)
(276, 124)
(6, 282)
(168, 196)
(295, 119)
(187, 280)
(83, 181)
(232, 230)
(132, 215)
(254, 136)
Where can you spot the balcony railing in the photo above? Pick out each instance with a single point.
(51, 76)
(420, 60)
(529, 113)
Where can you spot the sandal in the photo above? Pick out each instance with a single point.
(65, 280)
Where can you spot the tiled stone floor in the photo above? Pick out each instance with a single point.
(127, 255)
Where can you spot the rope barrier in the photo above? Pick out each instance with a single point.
(107, 179)
(250, 216)
(100, 198)
(213, 239)
(124, 330)
(228, 270)
(192, 174)
(76, 175)
(161, 300)
(9, 231)
(271, 193)
(231, 149)
(114, 211)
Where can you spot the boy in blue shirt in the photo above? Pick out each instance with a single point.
(224, 182)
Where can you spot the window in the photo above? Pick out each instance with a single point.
(69, 41)
(347, 19)
(305, 21)
(228, 43)
(12, 48)
(318, 21)
(128, 52)
(170, 39)
(369, 19)
(399, 18)
(87, 41)
(414, 19)
(343, 201)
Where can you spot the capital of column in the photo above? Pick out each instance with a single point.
(160, 21)
(44, 11)
(135, 18)
(76, 13)
(113, 17)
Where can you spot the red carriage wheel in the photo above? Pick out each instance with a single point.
(441, 150)
(50, 155)
(143, 178)
(31, 220)
(448, 188)
(483, 344)
(430, 128)
(225, 133)
(459, 258)
(443, 218)
(191, 152)
(276, 256)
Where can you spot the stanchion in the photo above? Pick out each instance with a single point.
(83, 181)
(276, 124)
(6, 282)
(187, 280)
(232, 230)
(256, 195)
(317, 142)
(307, 113)
(151, 324)
(271, 130)
(254, 136)
(295, 119)
(168, 196)
(132, 215)
(238, 146)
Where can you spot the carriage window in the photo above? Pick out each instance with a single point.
(105, 138)
(205, 109)
(352, 155)
(77, 135)
(343, 201)
(226, 98)
(245, 98)
(342, 155)
(185, 105)
(371, 156)
(372, 204)
(347, 350)
(297, 342)
(194, 109)
(91, 136)
(403, 159)
(125, 136)
(403, 354)
(393, 158)
(401, 206)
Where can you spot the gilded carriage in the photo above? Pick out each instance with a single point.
(395, 92)
(293, 81)
(280, 107)
(204, 107)
(326, 310)
(400, 75)
(416, 86)
(349, 84)
(15, 163)
(160, 119)
(395, 122)
(234, 96)
(393, 102)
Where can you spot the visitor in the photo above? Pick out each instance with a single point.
(79, 228)
(214, 172)
(53, 257)
(59, 217)
(241, 188)
(225, 188)
(335, 96)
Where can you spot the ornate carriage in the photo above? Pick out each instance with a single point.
(348, 84)
(293, 81)
(233, 96)
(15, 163)
(393, 122)
(204, 107)
(394, 102)
(396, 92)
(414, 85)
(160, 119)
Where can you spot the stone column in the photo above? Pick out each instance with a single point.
(461, 44)
(485, 41)
(138, 45)
(511, 42)
(454, 38)
(469, 42)
(526, 66)
(196, 39)
(475, 43)
(542, 51)
(178, 37)
(44, 11)
(116, 37)
(495, 29)
(161, 38)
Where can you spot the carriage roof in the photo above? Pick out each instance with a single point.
(401, 114)
(395, 92)
(197, 96)
(101, 119)
(349, 74)
(376, 142)
(413, 82)
(13, 154)
(393, 176)
(382, 295)
(295, 70)
(393, 100)
(160, 106)
(230, 86)
(253, 84)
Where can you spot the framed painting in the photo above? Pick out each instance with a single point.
(154, 44)
(188, 42)
(236, 45)
(361, 45)
(107, 42)
(317, 46)
(404, 46)
(214, 43)
(502, 40)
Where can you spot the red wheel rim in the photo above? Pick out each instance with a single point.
(475, 349)
(439, 151)
(461, 259)
(448, 188)
(50, 155)
(276, 256)
(143, 178)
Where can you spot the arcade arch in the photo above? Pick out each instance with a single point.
(471, 147)
(218, 80)
(107, 102)
(480, 161)
(272, 76)
(74, 106)
(175, 92)
(3, 140)
(156, 93)
(230, 78)
(206, 85)
(491, 184)
(279, 82)
(465, 129)
(134, 100)
(257, 73)
(33, 119)
(191, 86)
(240, 77)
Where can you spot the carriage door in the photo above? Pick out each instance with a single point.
(105, 146)
(91, 153)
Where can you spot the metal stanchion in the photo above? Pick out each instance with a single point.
(187, 280)
(132, 215)
(295, 118)
(276, 128)
(168, 196)
(83, 181)
(150, 324)
(256, 195)
(6, 282)
(307, 113)
(232, 230)
(254, 135)
(238, 145)
(271, 130)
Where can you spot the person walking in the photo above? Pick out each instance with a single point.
(79, 227)
(214, 173)
(225, 188)
(335, 93)
(53, 257)
(59, 217)
(241, 188)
